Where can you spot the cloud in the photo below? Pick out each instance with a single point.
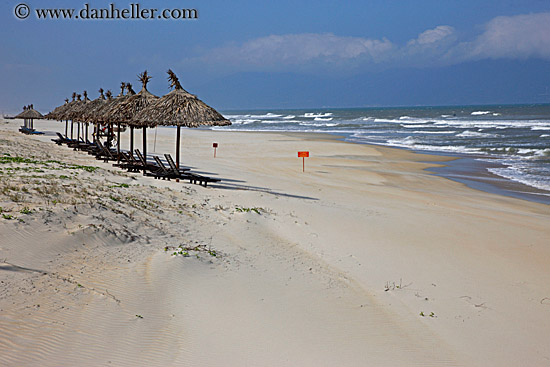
(513, 37)
(520, 37)
(432, 36)
(295, 50)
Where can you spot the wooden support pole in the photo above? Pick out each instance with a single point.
(132, 139)
(144, 146)
(178, 134)
(118, 142)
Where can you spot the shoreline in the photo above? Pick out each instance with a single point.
(364, 258)
(461, 168)
(468, 170)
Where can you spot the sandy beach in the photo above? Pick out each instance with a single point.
(364, 259)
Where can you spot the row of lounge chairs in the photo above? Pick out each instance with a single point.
(126, 160)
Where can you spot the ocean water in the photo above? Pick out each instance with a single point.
(514, 140)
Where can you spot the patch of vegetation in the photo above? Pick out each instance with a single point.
(85, 168)
(26, 210)
(121, 185)
(7, 216)
(9, 159)
(185, 250)
(247, 210)
(19, 160)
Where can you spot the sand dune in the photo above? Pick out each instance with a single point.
(364, 259)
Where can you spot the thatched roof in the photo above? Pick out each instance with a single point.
(124, 111)
(179, 108)
(29, 113)
(102, 114)
(58, 111)
(75, 112)
(66, 113)
(88, 110)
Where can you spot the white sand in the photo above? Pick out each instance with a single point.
(335, 269)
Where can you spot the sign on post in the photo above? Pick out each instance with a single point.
(303, 155)
(215, 145)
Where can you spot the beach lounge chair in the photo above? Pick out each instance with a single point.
(62, 139)
(104, 153)
(192, 177)
(163, 172)
(129, 162)
(149, 169)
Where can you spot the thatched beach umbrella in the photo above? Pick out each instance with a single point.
(57, 113)
(67, 111)
(103, 114)
(89, 109)
(53, 114)
(179, 108)
(75, 112)
(29, 114)
(125, 111)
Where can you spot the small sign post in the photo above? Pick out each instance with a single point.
(303, 155)
(215, 145)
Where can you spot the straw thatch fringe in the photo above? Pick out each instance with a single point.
(102, 113)
(125, 111)
(58, 112)
(29, 113)
(179, 108)
(76, 111)
(89, 110)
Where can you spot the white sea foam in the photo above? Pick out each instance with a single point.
(479, 113)
(516, 172)
(323, 119)
(267, 115)
(449, 132)
(313, 115)
(414, 126)
(544, 135)
(289, 117)
(475, 134)
(243, 121)
(318, 124)
(498, 124)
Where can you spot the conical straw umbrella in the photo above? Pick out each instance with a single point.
(108, 114)
(127, 109)
(57, 113)
(75, 112)
(53, 114)
(29, 113)
(90, 108)
(66, 113)
(103, 114)
(179, 108)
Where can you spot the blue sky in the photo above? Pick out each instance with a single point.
(287, 54)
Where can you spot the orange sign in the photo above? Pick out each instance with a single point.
(303, 154)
